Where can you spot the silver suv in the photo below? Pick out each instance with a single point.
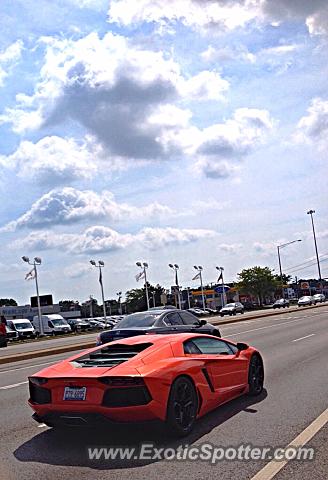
(232, 309)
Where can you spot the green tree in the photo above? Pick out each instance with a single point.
(135, 299)
(258, 281)
(8, 302)
(67, 305)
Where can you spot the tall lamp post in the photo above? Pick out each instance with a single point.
(175, 267)
(311, 212)
(224, 296)
(279, 260)
(36, 261)
(101, 265)
(144, 267)
(199, 269)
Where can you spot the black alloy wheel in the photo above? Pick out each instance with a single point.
(255, 375)
(182, 407)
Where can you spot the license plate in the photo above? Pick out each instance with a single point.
(75, 393)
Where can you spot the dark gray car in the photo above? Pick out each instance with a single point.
(157, 321)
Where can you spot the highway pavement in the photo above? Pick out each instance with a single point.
(295, 351)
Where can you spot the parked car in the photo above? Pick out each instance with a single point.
(281, 303)
(23, 327)
(250, 305)
(11, 333)
(306, 300)
(52, 324)
(78, 325)
(211, 311)
(232, 309)
(319, 297)
(157, 321)
(197, 311)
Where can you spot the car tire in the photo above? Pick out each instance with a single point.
(221, 314)
(242, 311)
(234, 313)
(255, 375)
(182, 407)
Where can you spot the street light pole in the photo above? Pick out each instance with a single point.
(199, 269)
(279, 260)
(175, 267)
(37, 261)
(144, 266)
(311, 212)
(224, 296)
(100, 265)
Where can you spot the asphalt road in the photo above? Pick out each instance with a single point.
(62, 340)
(294, 347)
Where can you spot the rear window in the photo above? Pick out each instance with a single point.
(138, 320)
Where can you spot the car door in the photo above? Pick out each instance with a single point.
(228, 370)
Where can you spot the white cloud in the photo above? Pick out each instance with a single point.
(77, 270)
(221, 14)
(9, 58)
(69, 205)
(192, 13)
(313, 127)
(117, 92)
(228, 54)
(53, 160)
(100, 239)
(223, 143)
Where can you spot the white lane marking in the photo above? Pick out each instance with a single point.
(42, 425)
(261, 328)
(302, 338)
(272, 468)
(7, 387)
(24, 368)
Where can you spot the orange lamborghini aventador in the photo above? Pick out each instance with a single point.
(175, 378)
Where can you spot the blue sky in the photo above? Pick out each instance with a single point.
(186, 131)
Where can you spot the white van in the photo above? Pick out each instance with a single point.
(52, 324)
(23, 327)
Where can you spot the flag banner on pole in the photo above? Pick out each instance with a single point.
(220, 277)
(100, 276)
(30, 275)
(196, 276)
(140, 275)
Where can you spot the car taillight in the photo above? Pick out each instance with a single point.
(38, 381)
(122, 381)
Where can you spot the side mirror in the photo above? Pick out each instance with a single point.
(201, 323)
(242, 346)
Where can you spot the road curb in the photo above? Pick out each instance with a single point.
(79, 346)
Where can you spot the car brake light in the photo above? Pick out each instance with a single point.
(122, 381)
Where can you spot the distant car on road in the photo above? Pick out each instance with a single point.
(232, 309)
(306, 300)
(157, 321)
(319, 297)
(281, 303)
